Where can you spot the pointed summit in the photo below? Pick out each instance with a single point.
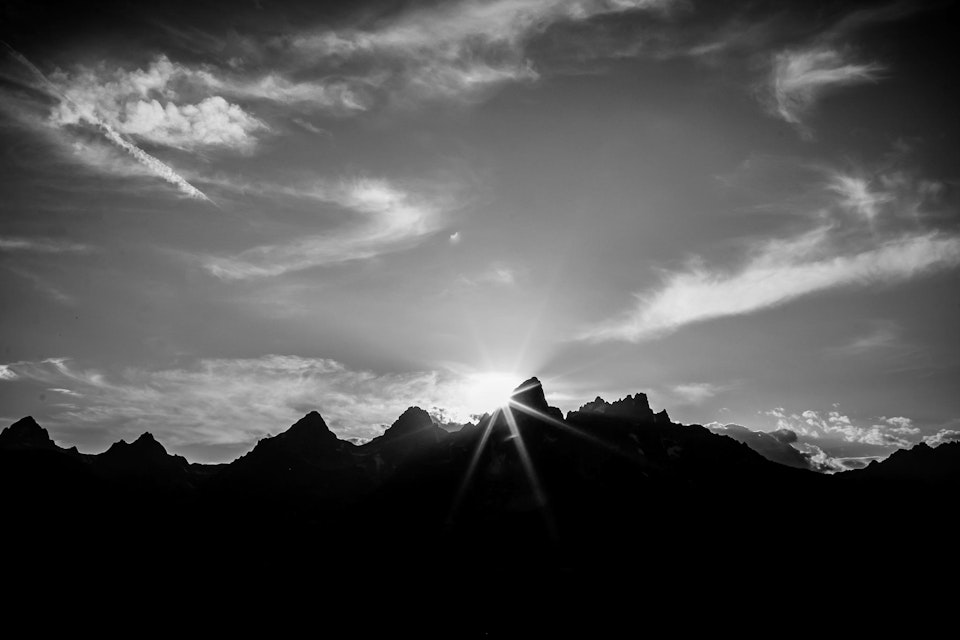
(309, 438)
(26, 434)
(309, 429)
(147, 444)
(530, 394)
(413, 420)
(414, 432)
(145, 448)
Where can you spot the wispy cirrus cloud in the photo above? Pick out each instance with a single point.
(43, 245)
(696, 392)
(857, 195)
(883, 335)
(778, 272)
(839, 252)
(800, 77)
(387, 217)
(84, 114)
(496, 274)
(454, 50)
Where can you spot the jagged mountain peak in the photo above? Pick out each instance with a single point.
(311, 427)
(530, 394)
(631, 406)
(412, 420)
(25, 433)
(144, 446)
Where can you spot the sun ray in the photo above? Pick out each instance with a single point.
(471, 468)
(525, 460)
(531, 473)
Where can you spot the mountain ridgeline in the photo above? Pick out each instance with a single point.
(610, 491)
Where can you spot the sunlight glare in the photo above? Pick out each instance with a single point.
(490, 390)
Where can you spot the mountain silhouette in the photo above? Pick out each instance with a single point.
(612, 499)
(26, 434)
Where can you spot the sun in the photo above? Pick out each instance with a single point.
(490, 390)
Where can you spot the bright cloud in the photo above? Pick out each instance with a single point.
(941, 436)
(779, 272)
(88, 116)
(886, 432)
(454, 50)
(390, 218)
(146, 104)
(799, 78)
(858, 197)
(696, 392)
(838, 253)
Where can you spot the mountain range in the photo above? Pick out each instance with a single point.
(525, 501)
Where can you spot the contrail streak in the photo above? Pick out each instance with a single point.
(158, 168)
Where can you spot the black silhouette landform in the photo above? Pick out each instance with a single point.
(613, 508)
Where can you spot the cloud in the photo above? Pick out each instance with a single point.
(858, 197)
(884, 335)
(799, 78)
(66, 392)
(42, 245)
(89, 117)
(42, 285)
(779, 446)
(389, 218)
(900, 425)
(453, 50)
(941, 436)
(217, 407)
(143, 104)
(337, 96)
(838, 253)
(886, 432)
(696, 392)
(496, 274)
(779, 271)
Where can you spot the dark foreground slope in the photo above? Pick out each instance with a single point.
(524, 518)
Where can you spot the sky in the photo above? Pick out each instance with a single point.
(216, 217)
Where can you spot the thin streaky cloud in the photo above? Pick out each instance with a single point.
(858, 196)
(696, 392)
(454, 50)
(780, 272)
(43, 286)
(42, 245)
(157, 167)
(884, 335)
(838, 252)
(800, 77)
(390, 218)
